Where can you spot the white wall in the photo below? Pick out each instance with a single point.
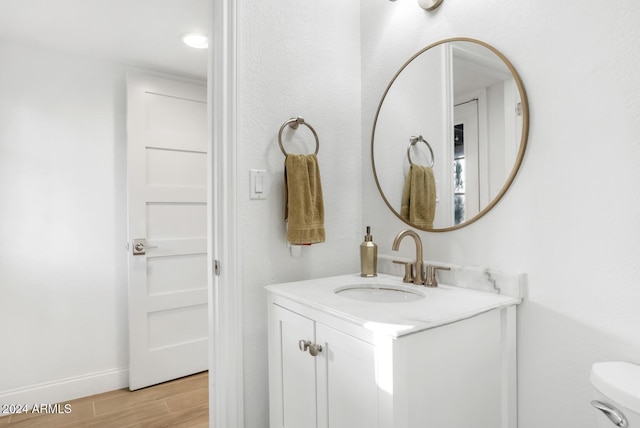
(63, 261)
(571, 220)
(63, 304)
(62, 187)
(294, 58)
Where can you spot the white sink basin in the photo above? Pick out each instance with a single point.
(380, 293)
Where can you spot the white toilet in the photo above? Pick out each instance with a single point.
(617, 394)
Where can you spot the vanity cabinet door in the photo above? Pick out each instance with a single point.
(293, 372)
(347, 390)
(336, 388)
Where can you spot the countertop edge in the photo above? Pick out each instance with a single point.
(282, 290)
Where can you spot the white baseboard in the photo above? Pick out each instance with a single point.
(64, 390)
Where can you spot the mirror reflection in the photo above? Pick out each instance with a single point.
(449, 134)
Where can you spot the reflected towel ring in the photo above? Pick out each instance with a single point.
(412, 142)
(294, 123)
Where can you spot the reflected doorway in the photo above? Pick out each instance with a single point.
(466, 179)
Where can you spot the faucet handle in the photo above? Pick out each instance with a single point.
(431, 275)
(408, 270)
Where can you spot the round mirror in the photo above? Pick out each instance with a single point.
(449, 134)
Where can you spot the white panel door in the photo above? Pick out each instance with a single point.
(167, 206)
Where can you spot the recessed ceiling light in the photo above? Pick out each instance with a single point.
(195, 40)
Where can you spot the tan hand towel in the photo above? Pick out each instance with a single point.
(419, 197)
(304, 206)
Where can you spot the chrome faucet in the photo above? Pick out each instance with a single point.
(417, 277)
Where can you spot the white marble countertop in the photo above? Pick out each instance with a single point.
(442, 305)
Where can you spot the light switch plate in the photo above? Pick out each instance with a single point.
(258, 183)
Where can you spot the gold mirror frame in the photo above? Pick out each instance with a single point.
(521, 150)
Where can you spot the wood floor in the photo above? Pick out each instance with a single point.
(180, 403)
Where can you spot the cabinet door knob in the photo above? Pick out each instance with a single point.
(304, 345)
(314, 349)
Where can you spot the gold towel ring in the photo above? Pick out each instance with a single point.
(412, 142)
(294, 123)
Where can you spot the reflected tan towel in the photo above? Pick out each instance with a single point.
(304, 206)
(419, 197)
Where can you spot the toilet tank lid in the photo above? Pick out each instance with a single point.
(620, 381)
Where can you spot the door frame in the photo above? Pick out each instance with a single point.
(226, 383)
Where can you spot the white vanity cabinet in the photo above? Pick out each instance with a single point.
(377, 373)
(335, 388)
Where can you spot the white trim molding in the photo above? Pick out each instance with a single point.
(226, 409)
(68, 389)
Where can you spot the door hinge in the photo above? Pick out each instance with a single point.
(216, 267)
(519, 109)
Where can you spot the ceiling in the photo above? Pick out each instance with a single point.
(141, 33)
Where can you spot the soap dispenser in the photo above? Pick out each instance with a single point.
(368, 256)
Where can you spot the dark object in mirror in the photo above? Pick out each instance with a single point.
(465, 98)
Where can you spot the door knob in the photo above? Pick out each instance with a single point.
(140, 247)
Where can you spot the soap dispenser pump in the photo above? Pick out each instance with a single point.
(368, 256)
